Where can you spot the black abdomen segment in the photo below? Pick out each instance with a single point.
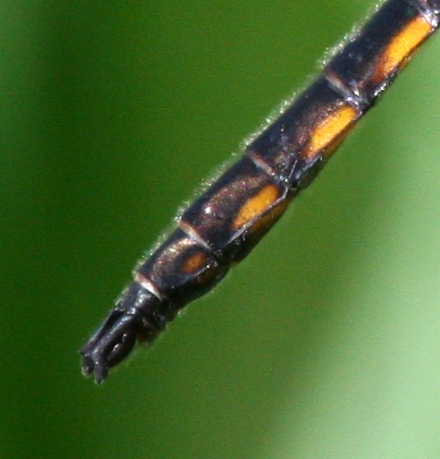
(224, 224)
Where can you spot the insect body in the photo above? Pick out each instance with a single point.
(224, 224)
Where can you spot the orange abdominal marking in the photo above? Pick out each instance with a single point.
(256, 205)
(401, 47)
(194, 263)
(270, 217)
(330, 128)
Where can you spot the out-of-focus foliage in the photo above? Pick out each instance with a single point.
(324, 343)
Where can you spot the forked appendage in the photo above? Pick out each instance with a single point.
(135, 317)
(110, 344)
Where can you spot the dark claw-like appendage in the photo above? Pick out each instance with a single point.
(109, 345)
(135, 317)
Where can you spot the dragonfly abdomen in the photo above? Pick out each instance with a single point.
(224, 224)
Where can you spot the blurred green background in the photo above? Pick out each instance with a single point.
(324, 343)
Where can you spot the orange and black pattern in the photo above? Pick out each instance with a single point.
(225, 223)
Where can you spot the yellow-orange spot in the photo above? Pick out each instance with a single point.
(256, 205)
(337, 141)
(401, 46)
(263, 224)
(329, 130)
(194, 262)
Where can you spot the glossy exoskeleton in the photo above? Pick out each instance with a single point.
(224, 224)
